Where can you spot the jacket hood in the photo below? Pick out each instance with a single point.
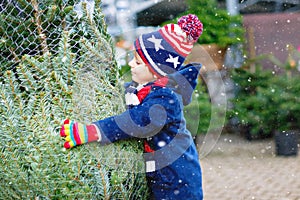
(184, 81)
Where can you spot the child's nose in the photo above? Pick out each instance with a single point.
(131, 64)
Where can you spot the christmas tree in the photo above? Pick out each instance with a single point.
(39, 94)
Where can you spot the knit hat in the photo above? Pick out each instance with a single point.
(165, 50)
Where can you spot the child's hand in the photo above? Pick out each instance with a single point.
(76, 133)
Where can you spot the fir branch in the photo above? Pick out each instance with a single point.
(105, 183)
(12, 82)
(27, 80)
(34, 64)
(38, 23)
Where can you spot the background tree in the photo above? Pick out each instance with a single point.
(220, 27)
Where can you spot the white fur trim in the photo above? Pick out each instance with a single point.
(131, 99)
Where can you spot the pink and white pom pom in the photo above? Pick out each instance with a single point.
(191, 25)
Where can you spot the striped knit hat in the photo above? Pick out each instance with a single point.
(165, 50)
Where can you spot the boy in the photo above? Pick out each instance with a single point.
(160, 87)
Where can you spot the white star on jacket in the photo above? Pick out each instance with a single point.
(156, 42)
(173, 60)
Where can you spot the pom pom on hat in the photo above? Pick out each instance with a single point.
(191, 25)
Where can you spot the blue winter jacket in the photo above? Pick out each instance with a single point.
(171, 159)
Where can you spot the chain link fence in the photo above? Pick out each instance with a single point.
(30, 28)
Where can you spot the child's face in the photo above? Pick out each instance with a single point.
(140, 73)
